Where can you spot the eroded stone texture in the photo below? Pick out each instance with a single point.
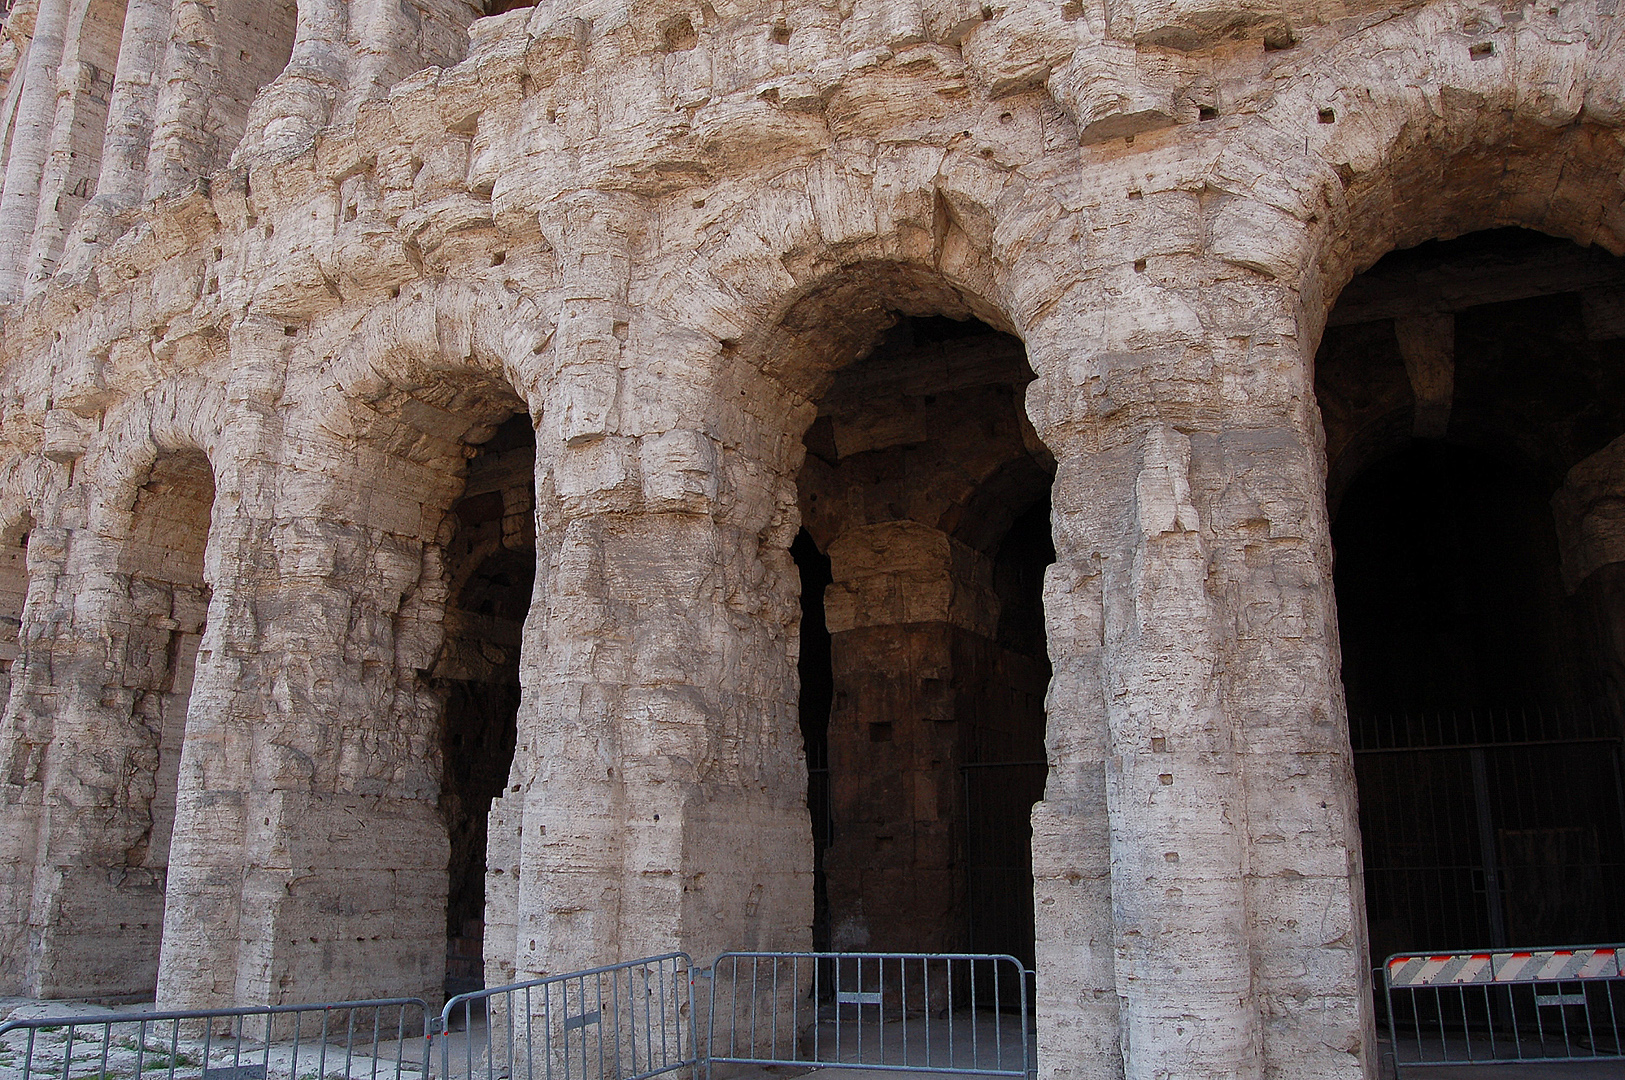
(331, 249)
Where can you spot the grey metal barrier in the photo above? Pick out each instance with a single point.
(1508, 1006)
(898, 1012)
(627, 1021)
(381, 1039)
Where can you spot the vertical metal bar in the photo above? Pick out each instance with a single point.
(998, 1026)
(615, 999)
(598, 995)
(321, 1055)
(880, 1010)
(774, 1027)
(902, 992)
(1563, 1022)
(755, 999)
(349, 1041)
(1540, 1021)
(1029, 1057)
(949, 978)
(925, 989)
(795, 1005)
(293, 1066)
(547, 1034)
(1466, 1024)
(858, 1019)
(975, 1051)
(377, 1017)
(711, 1017)
(107, 1037)
(140, 1051)
(1486, 841)
(817, 997)
(1517, 1032)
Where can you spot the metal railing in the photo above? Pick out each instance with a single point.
(627, 1021)
(1497, 1007)
(345, 1040)
(899, 1012)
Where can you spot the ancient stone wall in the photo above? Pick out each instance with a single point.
(664, 232)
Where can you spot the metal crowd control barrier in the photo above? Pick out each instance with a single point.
(626, 1021)
(1499, 1007)
(381, 1039)
(900, 1012)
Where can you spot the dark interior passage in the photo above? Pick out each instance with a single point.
(926, 502)
(817, 693)
(491, 567)
(1473, 394)
(169, 604)
(13, 597)
(1450, 597)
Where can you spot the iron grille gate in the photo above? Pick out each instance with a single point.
(1480, 830)
(893, 1012)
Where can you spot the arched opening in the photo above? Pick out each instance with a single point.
(254, 43)
(13, 596)
(163, 558)
(1473, 399)
(490, 567)
(925, 497)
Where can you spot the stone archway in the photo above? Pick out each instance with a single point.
(1468, 391)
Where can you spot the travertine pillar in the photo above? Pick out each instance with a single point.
(659, 776)
(298, 102)
(659, 784)
(1193, 557)
(84, 85)
(392, 40)
(220, 53)
(128, 138)
(902, 591)
(30, 143)
(308, 862)
(25, 740)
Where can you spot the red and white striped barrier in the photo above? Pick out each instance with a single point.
(1536, 965)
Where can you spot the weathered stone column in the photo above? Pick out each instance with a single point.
(390, 43)
(30, 143)
(308, 862)
(659, 770)
(25, 741)
(659, 783)
(902, 591)
(285, 118)
(1189, 500)
(128, 137)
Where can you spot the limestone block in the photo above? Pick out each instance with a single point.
(585, 396)
(679, 470)
(67, 434)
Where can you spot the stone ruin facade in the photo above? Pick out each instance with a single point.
(418, 421)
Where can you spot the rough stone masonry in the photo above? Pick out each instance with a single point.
(273, 550)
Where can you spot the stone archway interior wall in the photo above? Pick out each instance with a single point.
(163, 556)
